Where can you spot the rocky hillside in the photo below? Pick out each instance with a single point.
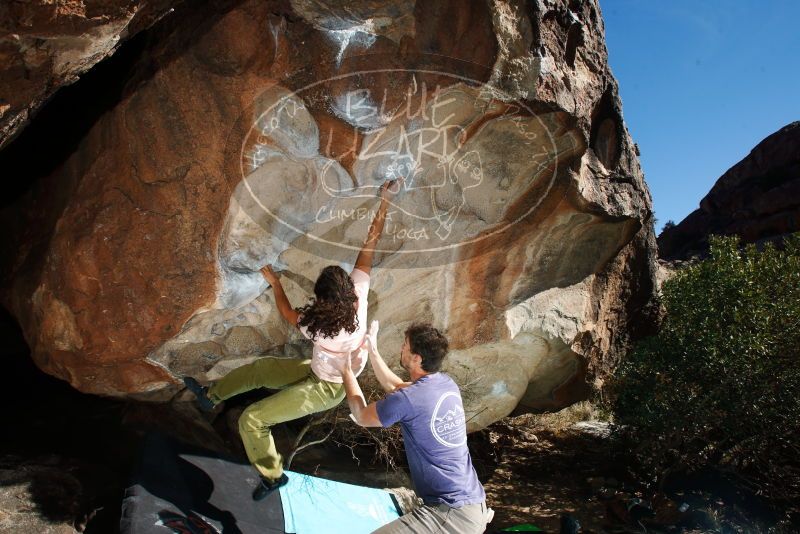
(758, 199)
(232, 134)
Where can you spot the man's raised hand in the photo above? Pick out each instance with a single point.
(371, 339)
(342, 364)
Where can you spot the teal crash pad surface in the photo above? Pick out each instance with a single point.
(312, 505)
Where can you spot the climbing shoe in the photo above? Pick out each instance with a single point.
(201, 392)
(265, 487)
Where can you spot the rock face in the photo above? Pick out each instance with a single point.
(257, 132)
(758, 199)
(46, 45)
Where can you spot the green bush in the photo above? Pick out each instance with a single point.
(719, 386)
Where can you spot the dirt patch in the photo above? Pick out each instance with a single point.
(541, 474)
(537, 469)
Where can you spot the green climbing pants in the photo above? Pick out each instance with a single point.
(302, 393)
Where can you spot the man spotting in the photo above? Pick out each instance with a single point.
(431, 416)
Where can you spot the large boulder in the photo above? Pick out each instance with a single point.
(259, 132)
(758, 200)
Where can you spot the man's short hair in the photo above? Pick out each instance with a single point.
(429, 343)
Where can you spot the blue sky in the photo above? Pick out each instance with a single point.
(701, 84)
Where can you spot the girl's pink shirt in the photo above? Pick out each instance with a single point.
(327, 349)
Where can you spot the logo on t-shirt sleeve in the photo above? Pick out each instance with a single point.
(448, 423)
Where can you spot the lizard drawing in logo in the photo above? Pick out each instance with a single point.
(448, 423)
(445, 175)
(466, 172)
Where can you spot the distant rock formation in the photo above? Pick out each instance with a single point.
(252, 132)
(758, 199)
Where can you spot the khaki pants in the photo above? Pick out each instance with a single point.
(302, 393)
(440, 519)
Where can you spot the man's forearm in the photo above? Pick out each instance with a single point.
(388, 380)
(355, 397)
(364, 414)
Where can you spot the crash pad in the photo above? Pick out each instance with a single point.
(180, 488)
(312, 504)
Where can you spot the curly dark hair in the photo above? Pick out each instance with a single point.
(429, 343)
(333, 308)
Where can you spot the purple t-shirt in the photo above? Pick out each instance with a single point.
(431, 416)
